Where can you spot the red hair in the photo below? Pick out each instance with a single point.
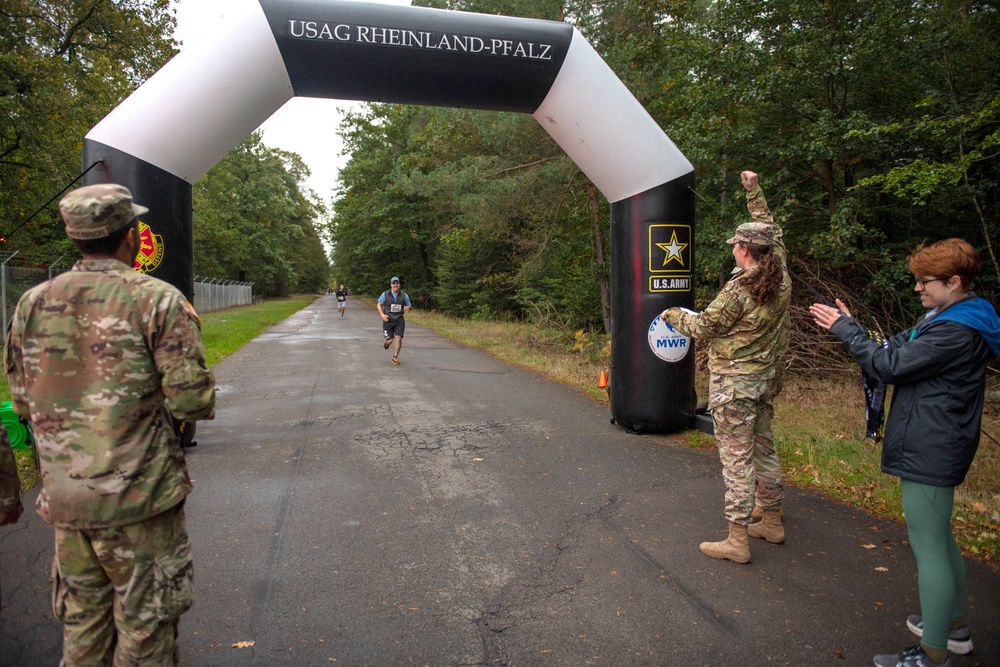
(944, 259)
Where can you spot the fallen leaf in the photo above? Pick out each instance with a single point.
(881, 569)
(867, 546)
(478, 459)
(243, 644)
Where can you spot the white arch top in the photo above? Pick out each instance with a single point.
(221, 88)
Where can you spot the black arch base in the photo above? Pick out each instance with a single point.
(649, 394)
(169, 200)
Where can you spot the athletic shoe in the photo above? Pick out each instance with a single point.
(959, 641)
(911, 657)
(388, 342)
(395, 360)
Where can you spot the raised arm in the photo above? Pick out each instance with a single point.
(759, 212)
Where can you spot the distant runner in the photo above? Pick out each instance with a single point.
(392, 306)
(341, 299)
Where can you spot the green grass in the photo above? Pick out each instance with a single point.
(226, 331)
(222, 333)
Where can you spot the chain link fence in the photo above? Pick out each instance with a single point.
(19, 273)
(215, 294)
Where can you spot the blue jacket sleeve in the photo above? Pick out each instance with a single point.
(905, 361)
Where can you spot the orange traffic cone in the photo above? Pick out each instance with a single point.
(602, 382)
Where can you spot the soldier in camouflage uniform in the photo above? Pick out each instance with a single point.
(748, 328)
(99, 359)
(10, 485)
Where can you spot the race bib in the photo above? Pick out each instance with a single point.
(395, 308)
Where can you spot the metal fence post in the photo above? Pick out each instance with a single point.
(53, 265)
(3, 287)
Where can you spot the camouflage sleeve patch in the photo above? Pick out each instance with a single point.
(13, 360)
(190, 309)
(187, 383)
(759, 212)
(757, 205)
(718, 318)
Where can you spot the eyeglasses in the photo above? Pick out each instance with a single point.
(921, 283)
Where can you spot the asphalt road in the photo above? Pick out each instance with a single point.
(455, 510)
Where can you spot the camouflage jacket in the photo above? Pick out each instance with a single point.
(746, 338)
(10, 484)
(98, 359)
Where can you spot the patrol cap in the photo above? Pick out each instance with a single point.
(394, 279)
(757, 233)
(96, 211)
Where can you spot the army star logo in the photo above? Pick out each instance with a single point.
(672, 250)
(668, 253)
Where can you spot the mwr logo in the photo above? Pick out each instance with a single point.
(666, 342)
(150, 249)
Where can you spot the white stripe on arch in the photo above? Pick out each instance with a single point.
(594, 117)
(206, 100)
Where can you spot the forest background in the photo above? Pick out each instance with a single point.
(874, 124)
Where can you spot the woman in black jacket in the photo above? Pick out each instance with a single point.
(932, 432)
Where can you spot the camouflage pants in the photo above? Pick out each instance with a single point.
(742, 412)
(119, 592)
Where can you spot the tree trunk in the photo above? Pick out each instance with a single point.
(602, 270)
(426, 300)
(723, 203)
(830, 184)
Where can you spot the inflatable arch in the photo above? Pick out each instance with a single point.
(213, 94)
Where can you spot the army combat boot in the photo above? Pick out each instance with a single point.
(758, 513)
(734, 547)
(769, 527)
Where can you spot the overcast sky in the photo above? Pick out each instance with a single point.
(306, 126)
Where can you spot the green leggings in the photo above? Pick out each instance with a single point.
(940, 566)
